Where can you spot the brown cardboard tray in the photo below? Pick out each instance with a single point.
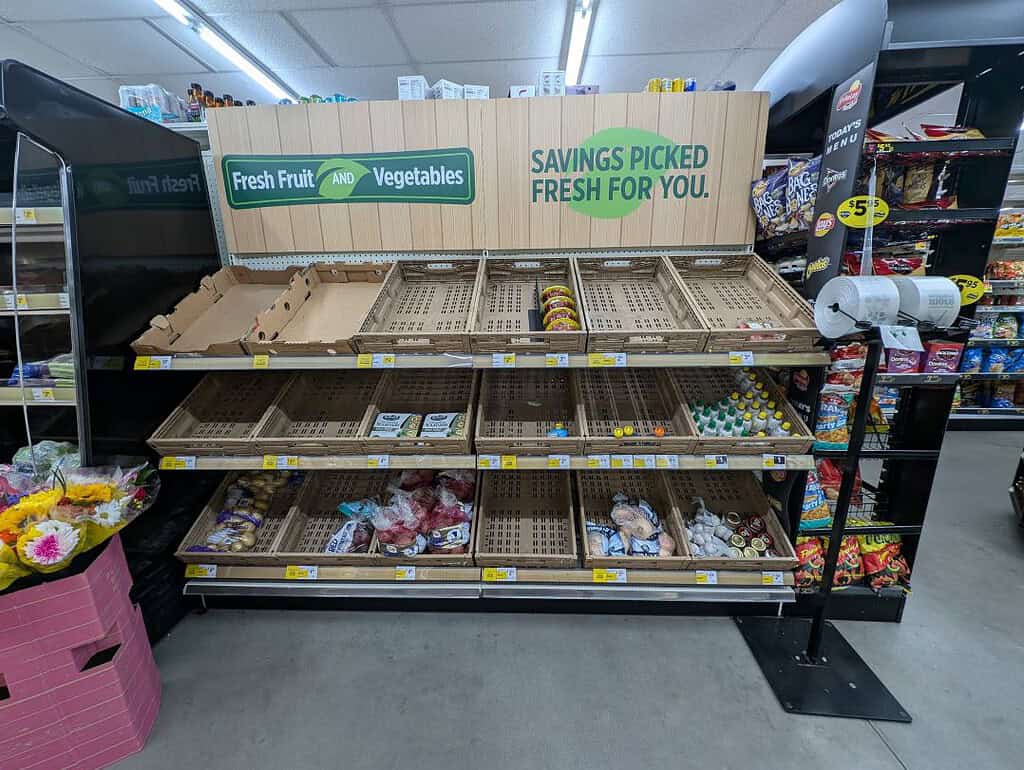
(725, 491)
(220, 415)
(215, 318)
(525, 519)
(741, 289)
(266, 534)
(508, 290)
(319, 413)
(423, 307)
(641, 398)
(694, 386)
(518, 407)
(596, 489)
(416, 392)
(635, 304)
(320, 311)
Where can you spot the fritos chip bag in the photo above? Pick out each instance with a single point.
(811, 555)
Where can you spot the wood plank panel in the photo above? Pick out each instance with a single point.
(577, 127)
(609, 112)
(356, 136)
(641, 112)
(421, 134)
(741, 142)
(481, 114)
(453, 131)
(388, 134)
(325, 139)
(244, 229)
(266, 140)
(675, 122)
(756, 167)
(545, 132)
(709, 115)
(293, 126)
(513, 124)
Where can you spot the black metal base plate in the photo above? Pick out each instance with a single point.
(841, 685)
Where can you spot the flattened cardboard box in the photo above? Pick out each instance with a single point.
(215, 318)
(323, 307)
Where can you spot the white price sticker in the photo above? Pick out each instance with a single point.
(201, 571)
(9, 300)
(773, 462)
(280, 462)
(707, 577)
(741, 358)
(488, 462)
(503, 360)
(772, 579)
(598, 461)
(667, 462)
(405, 573)
(25, 217)
(63, 300)
(558, 462)
(643, 461)
(609, 575)
(622, 461)
(301, 572)
(378, 461)
(43, 394)
(500, 574)
(716, 462)
(383, 360)
(556, 360)
(160, 362)
(616, 360)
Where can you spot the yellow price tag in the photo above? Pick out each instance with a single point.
(261, 362)
(141, 363)
(21, 300)
(508, 462)
(201, 571)
(862, 211)
(364, 361)
(405, 573)
(187, 463)
(606, 359)
(280, 462)
(883, 147)
(300, 572)
(707, 577)
(609, 575)
(971, 289)
(772, 579)
(500, 574)
(25, 217)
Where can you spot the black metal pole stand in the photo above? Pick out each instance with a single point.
(808, 664)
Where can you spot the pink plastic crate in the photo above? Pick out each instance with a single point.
(59, 713)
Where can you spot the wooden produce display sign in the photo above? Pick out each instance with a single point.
(577, 172)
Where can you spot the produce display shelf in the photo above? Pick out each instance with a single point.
(917, 378)
(955, 147)
(994, 343)
(992, 376)
(755, 462)
(11, 396)
(478, 361)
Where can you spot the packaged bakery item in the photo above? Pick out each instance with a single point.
(556, 302)
(941, 356)
(563, 325)
(443, 425)
(768, 198)
(830, 430)
(801, 191)
(555, 291)
(815, 512)
(396, 425)
(882, 560)
(559, 313)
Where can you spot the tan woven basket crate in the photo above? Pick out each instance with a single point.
(266, 535)
(219, 417)
(518, 407)
(741, 288)
(315, 518)
(319, 413)
(508, 290)
(525, 519)
(642, 398)
(416, 392)
(596, 489)
(423, 307)
(710, 385)
(636, 304)
(725, 491)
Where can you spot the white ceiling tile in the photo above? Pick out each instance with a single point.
(652, 26)
(17, 45)
(746, 68)
(353, 37)
(631, 73)
(364, 83)
(256, 6)
(190, 40)
(499, 75)
(271, 39)
(66, 10)
(116, 47)
(789, 21)
(526, 29)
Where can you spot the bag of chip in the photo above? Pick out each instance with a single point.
(849, 567)
(1002, 395)
(830, 430)
(995, 360)
(810, 554)
(815, 513)
(801, 191)
(882, 560)
(902, 361)
(1005, 327)
(971, 362)
(768, 199)
(984, 329)
(942, 356)
(830, 475)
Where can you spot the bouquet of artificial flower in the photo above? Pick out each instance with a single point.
(46, 528)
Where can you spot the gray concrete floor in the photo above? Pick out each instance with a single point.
(268, 689)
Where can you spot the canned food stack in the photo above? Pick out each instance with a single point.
(749, 410)
(732, 536)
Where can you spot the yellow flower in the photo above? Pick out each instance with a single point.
(85, 494)
(29, 508)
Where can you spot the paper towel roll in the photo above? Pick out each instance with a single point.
(929, 298)
(871, 298)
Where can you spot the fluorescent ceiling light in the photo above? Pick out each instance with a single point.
(175, 9)
(581, 21)
(191, 18)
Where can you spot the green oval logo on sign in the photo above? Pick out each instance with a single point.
(337, 177)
